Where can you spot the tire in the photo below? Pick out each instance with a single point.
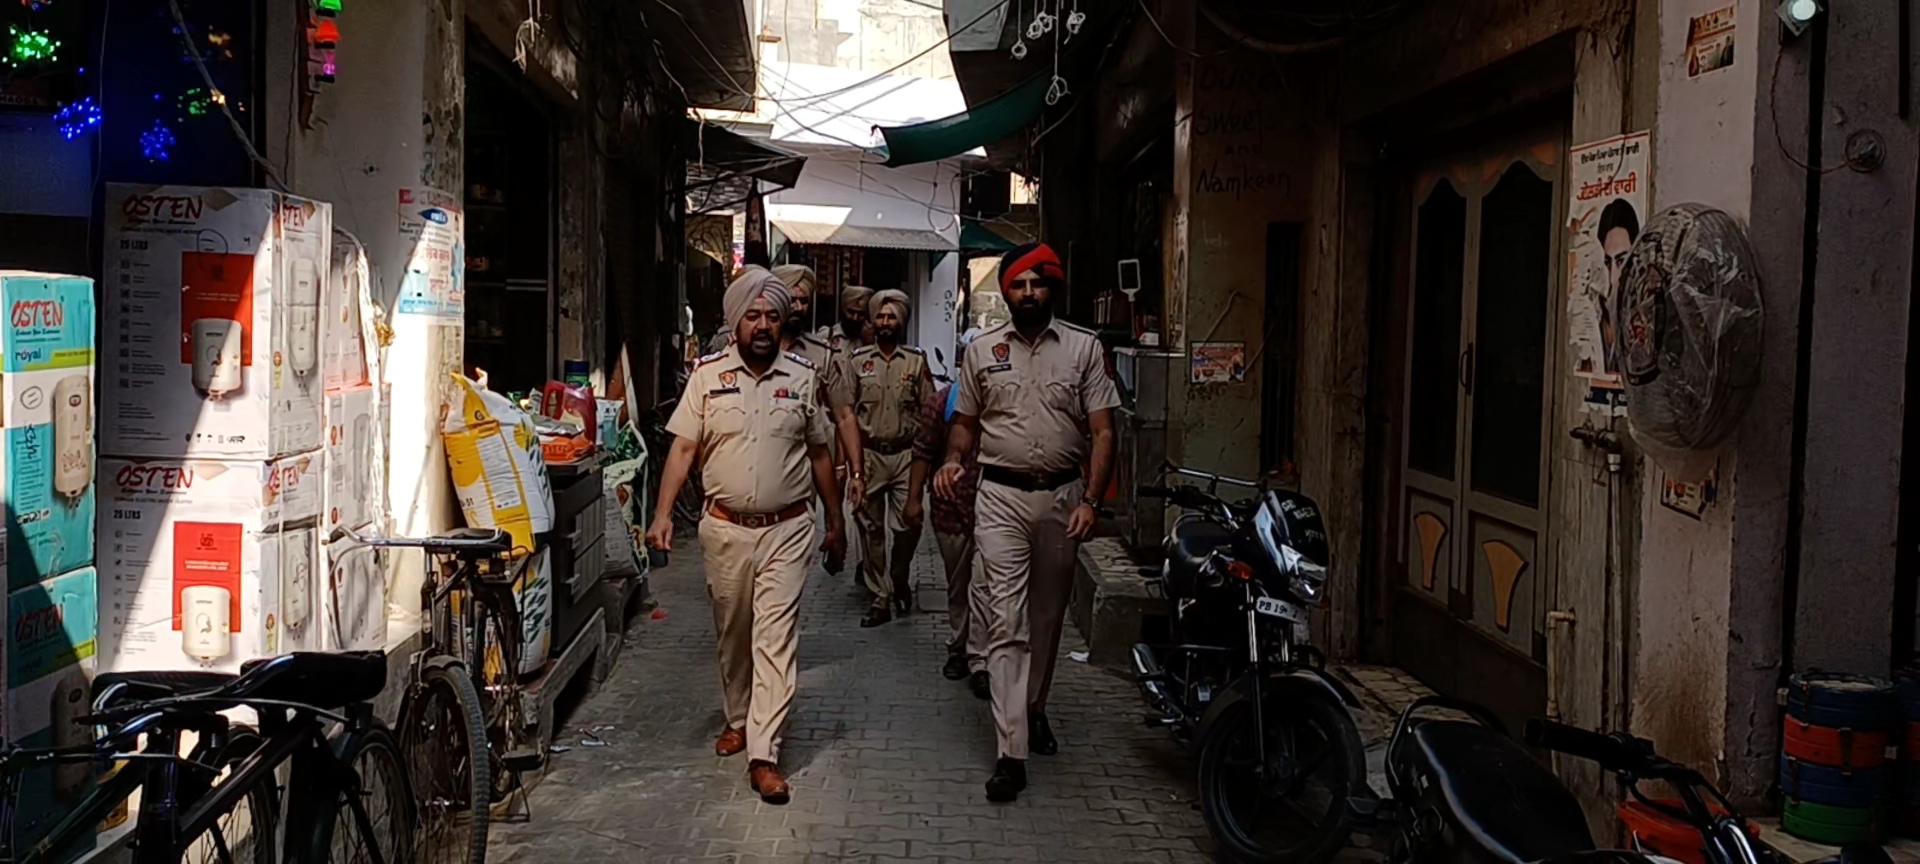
(374, 807)
(250, 832)
(496, 672)
(1235, 801)
(444, 737)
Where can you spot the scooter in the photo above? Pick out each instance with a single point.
(1466, 791)
(1278, 753)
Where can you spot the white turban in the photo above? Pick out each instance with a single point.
(752, 284)
(793, 275)
(894, 296)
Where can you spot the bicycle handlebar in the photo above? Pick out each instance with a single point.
(466, 538)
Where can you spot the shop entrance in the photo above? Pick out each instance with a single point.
(510, 234)
(1470, 601)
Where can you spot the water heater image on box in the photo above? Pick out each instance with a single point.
(205, 622)
(303, 339)
(72, 436)
(218, 367)
(362, 456)
(70, 706)
(296, 578)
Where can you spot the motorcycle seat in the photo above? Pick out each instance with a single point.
(1502, 800)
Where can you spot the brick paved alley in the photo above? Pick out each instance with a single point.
(886, 757)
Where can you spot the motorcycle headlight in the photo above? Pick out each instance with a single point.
(1307, 579)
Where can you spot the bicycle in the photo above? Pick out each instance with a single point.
(690, 506)
(462, 718)
(221, 802)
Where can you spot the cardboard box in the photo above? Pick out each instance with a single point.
(356, 465)
(47, 384)
(348, 305)
(206, 564)
(51, 642)
(354, 616)
(213, 322)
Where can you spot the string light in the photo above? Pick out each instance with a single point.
(196, 102)
(77, 118)
(327, 8)
(31, 46)
(156, 144)
(36, 5)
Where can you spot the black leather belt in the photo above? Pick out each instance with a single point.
(1028, 481)
(888, 449)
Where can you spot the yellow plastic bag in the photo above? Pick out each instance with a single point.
(498, 472)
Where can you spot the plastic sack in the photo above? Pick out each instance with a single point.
(625, 515)
(498, 472)
(1690, 313)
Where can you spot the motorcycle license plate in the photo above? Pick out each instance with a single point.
(1276, 608)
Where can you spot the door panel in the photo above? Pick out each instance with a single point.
(1484, 246)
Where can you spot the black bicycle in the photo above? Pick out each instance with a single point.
(347, 797)
(463, 720)
(690, 506)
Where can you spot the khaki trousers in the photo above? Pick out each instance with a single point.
(881, 513)
(967, 611)
(1027, 564)
(754, 576)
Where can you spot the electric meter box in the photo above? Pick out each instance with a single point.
(50, 655)
(209, 563)
(47, 388)
(215, 334)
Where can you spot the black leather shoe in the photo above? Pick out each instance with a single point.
(877, 614)
(955, 669)
(1008, 781)
(1040, 734)
(902, 603)
(981, 684)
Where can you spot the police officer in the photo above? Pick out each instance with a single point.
(1035, 395)
(836, 376)
(751, 418)
(849, 332)
(890, 380)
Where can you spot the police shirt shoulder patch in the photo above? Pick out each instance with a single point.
(709, 358)
(914, 349)
(800, 360)
(1076, 328)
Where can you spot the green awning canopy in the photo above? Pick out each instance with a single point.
(978, 126)
(975, 237)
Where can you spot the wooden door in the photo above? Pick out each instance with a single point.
(1470, 608)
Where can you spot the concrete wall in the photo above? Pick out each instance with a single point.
(870, 35)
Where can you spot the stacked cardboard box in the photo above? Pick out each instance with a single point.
(47, 485)
(355, 612)
(213, 425)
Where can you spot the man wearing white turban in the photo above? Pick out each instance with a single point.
(751, 418)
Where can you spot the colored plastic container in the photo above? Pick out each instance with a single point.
(1839, 748)
(1833, 826)
(1835, 787)
(1840, 701)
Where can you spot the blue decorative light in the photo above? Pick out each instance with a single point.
(78, 118)
(157, 143)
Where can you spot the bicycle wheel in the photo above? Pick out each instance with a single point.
(444, 737)
(249, 833)
(497, 676)
(372, 818)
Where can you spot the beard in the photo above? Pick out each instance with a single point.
(760, 345)
(850, 327)
(1031, 314)
(794, 325)
(886, 334)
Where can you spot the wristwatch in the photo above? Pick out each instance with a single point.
(1089, 502)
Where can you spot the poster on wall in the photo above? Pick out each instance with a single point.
(434, 284)
(1689, 498)
(1710, 42)
(1604, 214)
(1219, 362)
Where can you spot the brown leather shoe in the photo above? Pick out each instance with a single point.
(766, 780)
(730, 742)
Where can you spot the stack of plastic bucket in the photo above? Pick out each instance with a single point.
(1834, 770)
(1906, 792)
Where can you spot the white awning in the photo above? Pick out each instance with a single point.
(830, 234)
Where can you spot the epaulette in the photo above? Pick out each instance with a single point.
(865, 349)
(800, 360)
(710, 358)
(1072, 326)
(914, 349)
(809, 337)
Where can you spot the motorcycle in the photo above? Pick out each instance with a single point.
(1278, 754)
(1464, 790)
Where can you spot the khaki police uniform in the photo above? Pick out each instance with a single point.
(1032, 401)
(757, 537)
(887, 396)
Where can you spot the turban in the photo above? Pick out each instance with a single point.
(1037, 257)
(752, 284)
(854, 294)
(896, 297)
(794, 275)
